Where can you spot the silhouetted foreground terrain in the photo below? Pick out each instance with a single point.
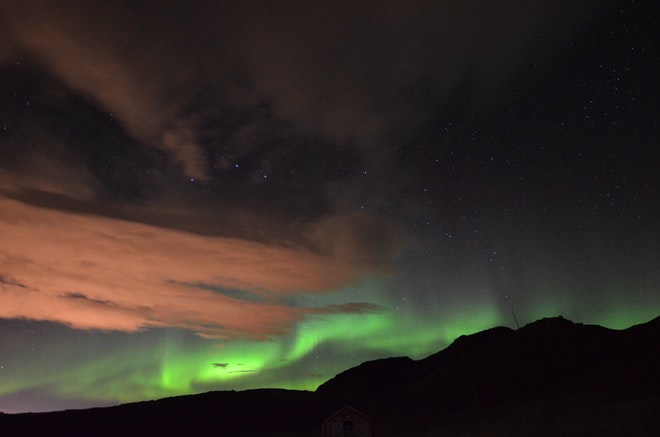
(551, 377)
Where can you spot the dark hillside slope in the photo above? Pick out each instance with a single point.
(554, 363)
(227, 413)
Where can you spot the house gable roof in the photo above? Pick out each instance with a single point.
(343, 410)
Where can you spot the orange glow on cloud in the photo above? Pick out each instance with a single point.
(93, 272)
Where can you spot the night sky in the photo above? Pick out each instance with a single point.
(203, 196)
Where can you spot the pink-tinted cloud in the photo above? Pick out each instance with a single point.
(92, 272)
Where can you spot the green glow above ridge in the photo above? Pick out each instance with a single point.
(624, 317)
(351, 328)
(608, 311)
(317, 349)
(173, 368)
(219, 364)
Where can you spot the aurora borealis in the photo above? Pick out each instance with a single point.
(203, 196)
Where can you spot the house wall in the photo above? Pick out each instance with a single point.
(334, 426)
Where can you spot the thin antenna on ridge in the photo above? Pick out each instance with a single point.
(515, 319)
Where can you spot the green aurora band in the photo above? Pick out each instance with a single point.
(181, 363)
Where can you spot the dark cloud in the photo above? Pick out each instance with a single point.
(228, 110)
(356, 237)
(232, 292)
(54, 139)
(352, 308)
(187, 79)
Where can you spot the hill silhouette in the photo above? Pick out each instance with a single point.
(549, 377)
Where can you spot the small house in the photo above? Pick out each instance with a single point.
(348, 422)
